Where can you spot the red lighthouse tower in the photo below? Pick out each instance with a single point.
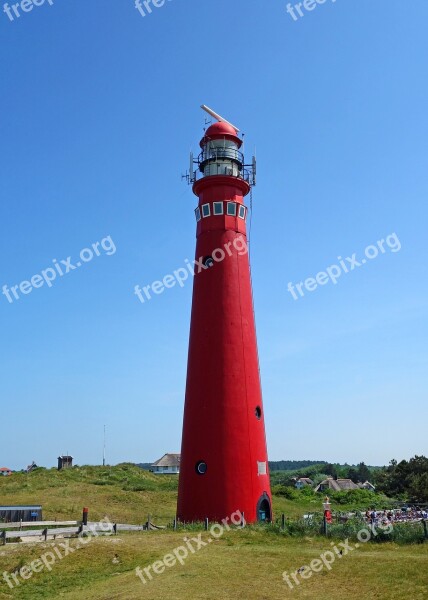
(224, 463)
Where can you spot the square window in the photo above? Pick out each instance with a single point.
(218, 208)
(198, 214)
(206, 210)
(261, 468)
(242, 211)
(231, 209)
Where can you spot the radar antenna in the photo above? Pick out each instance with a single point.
(218, 117)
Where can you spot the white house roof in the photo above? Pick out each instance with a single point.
(168, 460)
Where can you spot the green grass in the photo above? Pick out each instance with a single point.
(243, 564)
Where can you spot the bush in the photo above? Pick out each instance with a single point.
(361, 499)
(307, 491)
(285, 491)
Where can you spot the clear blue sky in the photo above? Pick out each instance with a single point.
(99, 108)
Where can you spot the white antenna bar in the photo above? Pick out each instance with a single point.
(217, 116)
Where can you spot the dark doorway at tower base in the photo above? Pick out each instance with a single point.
(263, 509)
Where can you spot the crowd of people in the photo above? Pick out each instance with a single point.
(396, 515)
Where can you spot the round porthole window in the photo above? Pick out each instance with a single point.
(258, 412)
(201, 467)
(208, 261)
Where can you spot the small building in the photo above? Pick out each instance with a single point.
(5, 472)
(302, 482)
(169, 464)
(65, 462)
(14, 514)
(337, 485)
(367, 486)
(31, 467)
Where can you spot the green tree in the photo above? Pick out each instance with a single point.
(352, 474)
(363, 472)
(330, 469)
(406, 478)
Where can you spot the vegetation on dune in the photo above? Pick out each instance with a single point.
(319, 471)
(355, 499)
(125, 493)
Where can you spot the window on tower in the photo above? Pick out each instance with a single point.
(208, 261)
(201, 467)
(198, 214)
(218, 208)
(242, 212)
(261, 468)
(206, 210)
(231, 209)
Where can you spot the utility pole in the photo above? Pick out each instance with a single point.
(104, 448)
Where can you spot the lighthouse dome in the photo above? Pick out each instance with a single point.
(220, 128)
(220, 131)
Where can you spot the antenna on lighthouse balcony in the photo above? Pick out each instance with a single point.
(192, 175)
(217, 116)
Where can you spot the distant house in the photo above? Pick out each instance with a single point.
(302, 482)
(367, 486)
(31, 467)
(337, 485)
(65, 462)
(168, 464)
(4, 471)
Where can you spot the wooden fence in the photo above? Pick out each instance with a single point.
(24, 531)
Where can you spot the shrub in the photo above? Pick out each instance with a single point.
(285, 491)
(307, 492)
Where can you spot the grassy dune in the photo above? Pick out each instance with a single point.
(124, 493)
